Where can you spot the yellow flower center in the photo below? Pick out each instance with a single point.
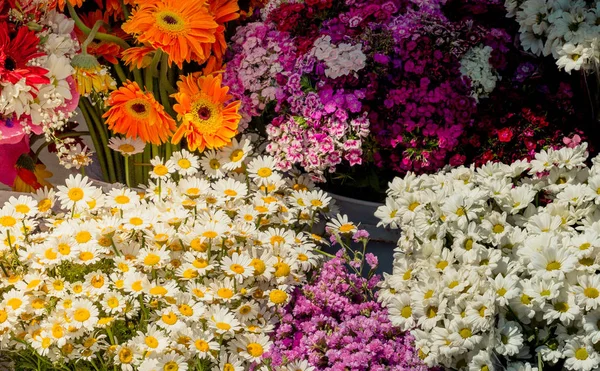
(223, 326)
(97, 281)
(3, 316)
(22, 208)
(278, 296)
(460, 211)
(431, 312)
(581, 354)
(228, 367)
(225, 293)
(465, 333)
(15, 303)
(406, 312)
(236, 155)
(264, 172)
(136, 221)
(112, 302)
(44, 205)
(50, 254)
(205, 116)
(83, 237)
(184, 163)
(501, 291)
(230, 192)
(347, 227)
(237, 268)
(75, 194)
(498, 228)
(151, 342)
(122, 199)
(255, 349)
(210, 234)
(169, 318)
(158, 290)
(553, 265)
(259, 266)
(214, 164)
(561, 307)
(125, 355)
(413, 206)
(81, 315)
(151, 259)
(442, 265)
(591, 292)
(161, 170)
(202, 345)
(525, 299)
(302, 257)
(186, 310)
(282, 269)
(126, 148)
(138, 109)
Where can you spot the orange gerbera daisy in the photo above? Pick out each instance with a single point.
(138, 57)
(136, 113)
(178, 27)
(207, 122)
(224, 11)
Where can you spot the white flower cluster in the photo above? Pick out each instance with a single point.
(45, 107)
(564, 28)
(475, 65)
(186, 275)
(497, 266)
(341, 59)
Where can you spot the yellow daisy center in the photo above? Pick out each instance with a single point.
(406, 312)
(126, 148)
(237, 268)
(264, 172)
(223, 326)
(278, 296)
(255, 349)
(161, 170)
(122, 199)
(81, 315)
(236, 155)
(22, 208)
(75, 194)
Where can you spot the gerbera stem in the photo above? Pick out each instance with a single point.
(152, 71)
(125, 10)
(91, 36)
(104, 139)
(95, 139)
(99, 35)
(120, 72)
(165, 84)
(127, 181)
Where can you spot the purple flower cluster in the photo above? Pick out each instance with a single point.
(360, 81)
(336, 324)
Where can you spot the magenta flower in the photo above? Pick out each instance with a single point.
(9, 154)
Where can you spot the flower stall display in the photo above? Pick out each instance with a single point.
(497, 265)
(336, 323)
(186, 274)
(150, 72)
(357, 92)
(37, 90)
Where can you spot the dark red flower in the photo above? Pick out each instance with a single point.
(505, 135)
(15, 53)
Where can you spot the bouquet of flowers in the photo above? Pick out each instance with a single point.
(497, 265)
(186, 274)
(150, 75)
(37, 91)
(335, 322)
(390, 83)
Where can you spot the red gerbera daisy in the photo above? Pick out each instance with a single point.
(15, 55)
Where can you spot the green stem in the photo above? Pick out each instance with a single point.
(127, 181)
(91, 36)
(99, 35)
(120, 73)
(137, 170)
(125, 10)
(146, 159)
(95, 139)
(137, 76)
(152, 71)
(165, 84)
(99, 124)
(324, 253)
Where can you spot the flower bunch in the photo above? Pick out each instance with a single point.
(131, 72)
(497, 265)
(186, 274)
(567, 30)
(37, 90)
(335, 323)
(389, 92)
